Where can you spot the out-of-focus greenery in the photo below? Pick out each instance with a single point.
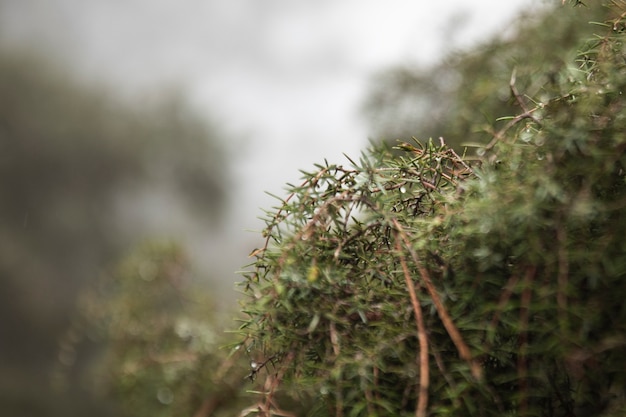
(413, 282)
(80, 171)
(160, 338)
(421, 283)
(462, 97)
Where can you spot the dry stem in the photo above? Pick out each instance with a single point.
(422, 399)
(453, 332)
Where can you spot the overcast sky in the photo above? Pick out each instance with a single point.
(284, 77)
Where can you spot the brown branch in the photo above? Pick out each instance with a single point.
(504, 299)
(458, 159)
(526, 114)
(522, 360)
(453, 332)
(446, 376)
(277, 217)
(562, 276)
(376, 385)
(255, 367)
(369, 397)
(422, 398)
(518, 98)
(498, 136)
(339, 400)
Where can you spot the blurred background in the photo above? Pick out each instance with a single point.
(122, 122)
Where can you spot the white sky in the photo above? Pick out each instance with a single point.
(286, 78)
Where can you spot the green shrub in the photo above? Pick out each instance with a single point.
(429, 284)
(155, 338)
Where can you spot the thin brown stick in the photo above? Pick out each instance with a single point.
(442, 370)
(518, 98)
(376, 385)
(422, 398)
(522, 360)
(208, 406)
(504, 299)
(339, 400)
(457, 159)
(562, 276)
(453, 332)
(526, 114)
(277, 217)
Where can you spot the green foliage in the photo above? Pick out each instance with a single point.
(76, 163)
(159, 338)
(428, 284)
(462, 97)
(328, 289)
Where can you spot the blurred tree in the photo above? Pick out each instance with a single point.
(74, 161)
(159, 338)
(463, 96)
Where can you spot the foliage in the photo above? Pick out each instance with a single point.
(159, 340)
(427, 283)
(76, 162)
(461, 97)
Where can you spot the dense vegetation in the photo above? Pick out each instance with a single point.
(429, 283)
(80, 172)
(462, 97)
(421, 278)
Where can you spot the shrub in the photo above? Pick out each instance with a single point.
(427, 283)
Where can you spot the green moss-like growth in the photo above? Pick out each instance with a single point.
(424, 284)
